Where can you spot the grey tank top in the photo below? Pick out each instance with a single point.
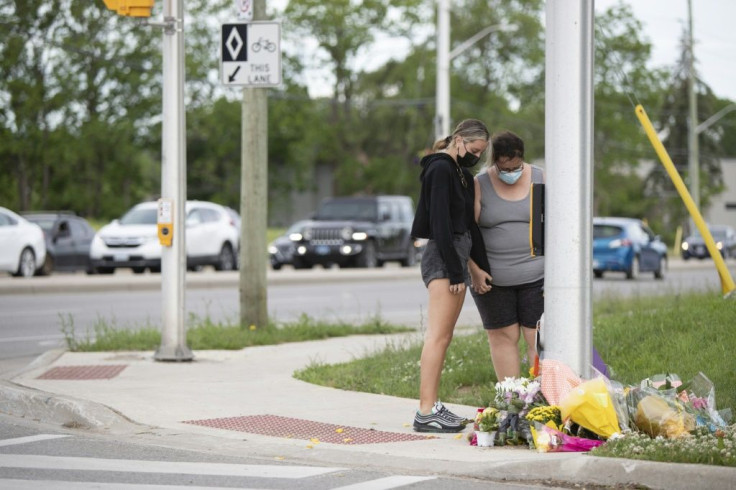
(505, 228)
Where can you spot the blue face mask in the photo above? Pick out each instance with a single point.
(510, 177)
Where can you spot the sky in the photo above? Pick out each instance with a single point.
(713, 29)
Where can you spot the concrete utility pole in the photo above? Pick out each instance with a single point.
(173, 188)
(254, 200)
(568, 138)
(692, 133)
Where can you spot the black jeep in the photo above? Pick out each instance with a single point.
(358, 232)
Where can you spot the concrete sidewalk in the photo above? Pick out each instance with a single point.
(246, 402)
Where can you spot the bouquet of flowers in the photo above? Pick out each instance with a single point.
(514, 398)
(699, 399)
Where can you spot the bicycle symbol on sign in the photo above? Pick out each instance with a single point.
(263, 44)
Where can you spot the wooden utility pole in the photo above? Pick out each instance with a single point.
(254, 200)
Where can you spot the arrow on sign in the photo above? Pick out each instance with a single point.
(231, 77)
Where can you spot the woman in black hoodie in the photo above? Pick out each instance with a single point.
(445, 216)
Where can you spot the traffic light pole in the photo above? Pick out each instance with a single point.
(173, 187)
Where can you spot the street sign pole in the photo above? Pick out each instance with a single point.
(173, 188)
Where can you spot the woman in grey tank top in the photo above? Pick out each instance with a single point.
(515, 302)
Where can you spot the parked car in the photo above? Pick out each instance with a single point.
(212, 238)
(359, 232)
(22, 247)
(68, 238)
(627, 245)
(281, 250)
(723, 235)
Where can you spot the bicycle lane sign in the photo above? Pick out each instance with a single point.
(250, 54)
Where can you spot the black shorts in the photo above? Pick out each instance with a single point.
(505, 305)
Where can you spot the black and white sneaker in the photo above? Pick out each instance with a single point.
(437, 422)
(439, 407)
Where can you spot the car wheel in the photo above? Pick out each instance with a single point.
(104, 270)
(139, 270)
(659, 273)
(633, 272)
(411, 257)
(226, 259)
(276, 267)
(27, 264)
(367, 259)
(47, 267)
(598, 274)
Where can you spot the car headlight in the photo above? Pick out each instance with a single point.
(272, 249)
(685, 246)
(346, 233)
(719, 245)
(359, 236)
(296, 237)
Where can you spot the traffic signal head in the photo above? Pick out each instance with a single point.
(131, 8)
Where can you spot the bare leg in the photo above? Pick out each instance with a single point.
(504, 344)
(530, 337)
(443, 311)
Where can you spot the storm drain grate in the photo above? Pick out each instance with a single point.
(83, 372)
(276, 426)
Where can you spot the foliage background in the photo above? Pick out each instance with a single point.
(80, 104)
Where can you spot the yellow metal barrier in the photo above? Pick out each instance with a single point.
(727, 284)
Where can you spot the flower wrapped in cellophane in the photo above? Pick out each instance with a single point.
(699, 399)
(548, 439)
(590, 406)
(658, 412)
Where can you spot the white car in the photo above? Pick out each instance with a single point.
(22, 246)
(212, 238)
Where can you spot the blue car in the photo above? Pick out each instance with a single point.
(627, 245)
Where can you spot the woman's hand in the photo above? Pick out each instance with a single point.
(457, 288)
(480, 279)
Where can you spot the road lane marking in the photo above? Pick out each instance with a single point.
(27, 439)
(83, 485)
(387, 483)
(141, 466)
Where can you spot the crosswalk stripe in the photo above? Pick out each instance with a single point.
(83, 485)
(138, 466)
(387, 483)
(27, 439)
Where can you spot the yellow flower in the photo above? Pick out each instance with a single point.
(252, 327)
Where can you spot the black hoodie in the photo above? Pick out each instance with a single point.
(445, 208)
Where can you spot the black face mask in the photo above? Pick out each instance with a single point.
(467, 160)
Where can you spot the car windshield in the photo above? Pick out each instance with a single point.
(606, 231)
(339, 210)
(718, 233)
(46, 224)
(139, 217)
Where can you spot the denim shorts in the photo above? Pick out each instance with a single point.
(433, 267)
(506, 305)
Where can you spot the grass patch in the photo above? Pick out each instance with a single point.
(205, 334)
(637, 338)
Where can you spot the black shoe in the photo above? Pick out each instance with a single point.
(437, 422)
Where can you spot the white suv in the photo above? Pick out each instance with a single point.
(212, 238)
